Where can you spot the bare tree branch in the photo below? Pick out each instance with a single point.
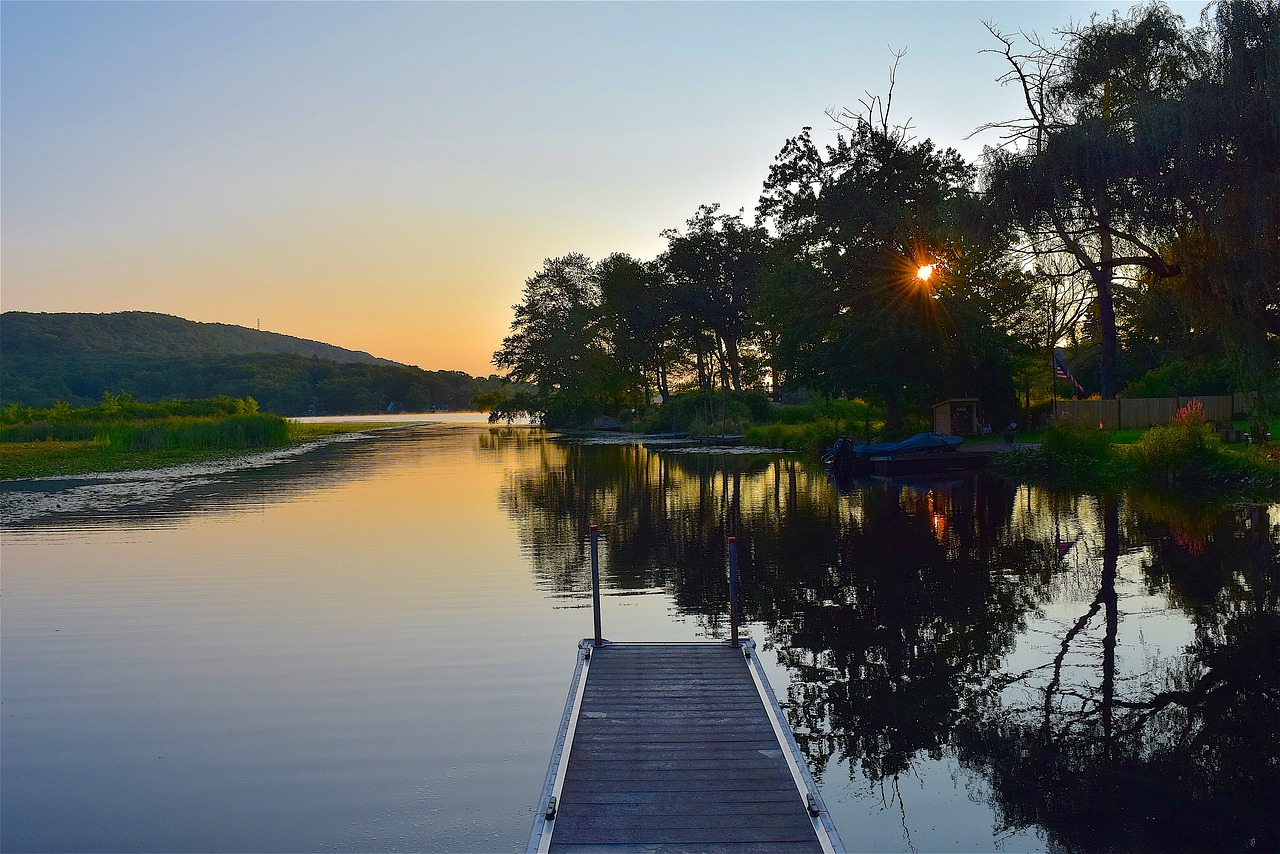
(877, 110)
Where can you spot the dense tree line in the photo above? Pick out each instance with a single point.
(1130, 218)
(283, 384)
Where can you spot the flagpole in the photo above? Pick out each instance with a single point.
(1053, 366)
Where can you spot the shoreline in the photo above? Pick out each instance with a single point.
(68, 461)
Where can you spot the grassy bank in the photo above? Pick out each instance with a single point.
(812, 427)
(49, 458)
(121, 434)
(1184, 456)
(809, 427)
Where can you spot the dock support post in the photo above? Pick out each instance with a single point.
(595, 581)
(733, 592)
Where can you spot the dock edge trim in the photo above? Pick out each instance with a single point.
(540, 837)
(823, 826)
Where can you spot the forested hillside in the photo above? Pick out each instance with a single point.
(148, 333)
(45, 358)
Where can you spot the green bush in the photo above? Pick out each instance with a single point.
(1068, 441)
(819, 407)
(1170, 446)
(811, 426)
(706, 413)
(1070, 454)
(1189, 457)
(1184, 455)
(812, 438)
(814, 426)
(1177, 378)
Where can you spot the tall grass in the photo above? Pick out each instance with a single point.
(49, 431)
(121, 424)
(702, 413)
(174, 434)
(121, 434)
(814, 426)
(123, 407)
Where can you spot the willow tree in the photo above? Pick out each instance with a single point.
(1078, 170)
(1225, 139)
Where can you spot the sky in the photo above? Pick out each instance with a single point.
(385, 176)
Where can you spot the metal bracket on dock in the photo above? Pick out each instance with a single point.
(810, 801)
(550, 814)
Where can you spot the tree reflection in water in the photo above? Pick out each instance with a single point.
(1185, 756)
(897, 609)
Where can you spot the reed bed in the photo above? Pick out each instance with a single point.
(122, 433)
(196, 434)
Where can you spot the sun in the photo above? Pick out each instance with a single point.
(925, 272)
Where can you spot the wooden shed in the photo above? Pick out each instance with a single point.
(957, 417)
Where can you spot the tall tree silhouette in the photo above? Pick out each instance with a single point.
(1076, 170)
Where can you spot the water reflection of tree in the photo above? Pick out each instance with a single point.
(895, 608)
(890, 605)
(929, 588)
(1185, 757)
(664, 519)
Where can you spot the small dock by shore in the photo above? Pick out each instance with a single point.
(678, 746)
(667, 747)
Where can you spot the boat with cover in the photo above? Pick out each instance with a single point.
(845, 453)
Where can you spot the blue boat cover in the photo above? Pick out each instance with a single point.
(918, 442)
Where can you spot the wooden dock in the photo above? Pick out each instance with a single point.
(677, 747)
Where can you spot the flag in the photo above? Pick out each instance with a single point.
(1060, 371)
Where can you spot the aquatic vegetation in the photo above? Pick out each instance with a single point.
(122, 433)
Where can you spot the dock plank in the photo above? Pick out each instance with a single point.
(696, 800)
(677, 848)
(710, 833)
(695, 809)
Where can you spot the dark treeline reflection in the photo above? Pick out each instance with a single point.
(1000, 628)
(1183, 754)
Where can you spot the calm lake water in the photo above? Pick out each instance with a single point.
(367, 646)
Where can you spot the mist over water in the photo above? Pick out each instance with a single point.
(367, 646)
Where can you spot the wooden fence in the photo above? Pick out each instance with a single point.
(1147, 411)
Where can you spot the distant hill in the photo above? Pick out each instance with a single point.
(149, 334)
(45, 358)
